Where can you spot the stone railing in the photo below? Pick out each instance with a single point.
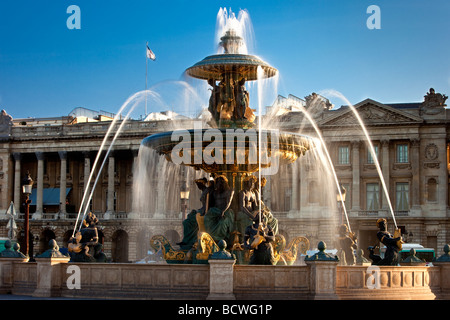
(387, 283)
(315, 280)
(271, 282)
(92, 129)
(382, 213)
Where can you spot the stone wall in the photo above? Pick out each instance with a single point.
(316, 280)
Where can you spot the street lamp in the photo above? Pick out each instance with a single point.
(184, 195)
(341, 200)
(27, 186)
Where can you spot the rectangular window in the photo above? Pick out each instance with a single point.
(370, 159)
(287, 199)
(402, 153)
(343, 155)
(373, 196)
(402, 196)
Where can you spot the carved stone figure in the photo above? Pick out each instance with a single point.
(5, 124)
(433, 103)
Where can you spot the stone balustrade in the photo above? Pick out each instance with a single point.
(316, 280)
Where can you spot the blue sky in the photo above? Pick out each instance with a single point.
(48, 70)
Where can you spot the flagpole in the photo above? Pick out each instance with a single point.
(146, 72)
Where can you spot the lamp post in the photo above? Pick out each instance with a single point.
(340, 200)
(27, 185)
(184, 195)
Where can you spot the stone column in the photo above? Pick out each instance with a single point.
(5, 179)
(161, 189)
(294, 190)
(63, 184)
(356, 206)
(40, 186)
(415, 166)
(133, 214)
(87, 171)
(267, 192)
(110, 198)
(385, 168)
(304, 190)
(17, 180)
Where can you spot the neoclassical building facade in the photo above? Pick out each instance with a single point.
(410, 141)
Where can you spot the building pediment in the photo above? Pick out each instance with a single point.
(372, 113)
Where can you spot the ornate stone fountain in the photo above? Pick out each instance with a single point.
(231, 151)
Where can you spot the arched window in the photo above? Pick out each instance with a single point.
(119, 246)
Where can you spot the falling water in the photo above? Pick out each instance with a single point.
(181, 97)
(226, 20)
(314, 124)
(133, 100)
(369, 142)
(260, 75)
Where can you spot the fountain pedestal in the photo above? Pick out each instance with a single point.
(49, 275)
(221, 280)
(221, 265)
(323, 274)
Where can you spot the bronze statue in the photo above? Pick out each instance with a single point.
(219, 218)
(192, 221)
(242, 100)
(247, 204)
(392, 246)
(271, 220)
(11, 253)
(85, 240)
(214, 99)
(248, 200)
(347, 243)
(259, 238)
(227, 99)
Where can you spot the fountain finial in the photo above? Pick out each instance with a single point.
(231, 42)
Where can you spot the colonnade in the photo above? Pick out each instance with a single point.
(39, 181)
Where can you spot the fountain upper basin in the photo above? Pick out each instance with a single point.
(229, 150)
(215, 66)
